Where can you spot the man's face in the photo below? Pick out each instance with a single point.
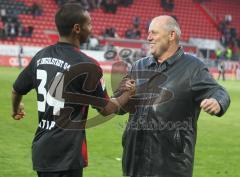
(158, 38)
(86, 29)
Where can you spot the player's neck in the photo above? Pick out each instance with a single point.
(70, 40)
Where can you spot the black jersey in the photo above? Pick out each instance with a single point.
(58, 148)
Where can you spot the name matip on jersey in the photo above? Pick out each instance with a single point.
(66, 82)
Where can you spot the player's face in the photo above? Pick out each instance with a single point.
(158, 39)
(86, 29)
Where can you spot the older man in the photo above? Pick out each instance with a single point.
(172, 88)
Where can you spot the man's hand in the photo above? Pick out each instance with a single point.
(129, 86)
(114, 105)
(126, 84)
(19, 114)
(211, 106)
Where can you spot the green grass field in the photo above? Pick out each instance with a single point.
(217, 150)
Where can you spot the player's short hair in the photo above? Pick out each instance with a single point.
(68, 15)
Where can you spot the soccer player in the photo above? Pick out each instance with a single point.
(66, 81)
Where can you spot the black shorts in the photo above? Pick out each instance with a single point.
(69, 173)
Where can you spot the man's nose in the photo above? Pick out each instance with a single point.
(149, 38)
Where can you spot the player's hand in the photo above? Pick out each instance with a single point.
(130, 86)
(124, 84)
(211, 106)
(20, 112)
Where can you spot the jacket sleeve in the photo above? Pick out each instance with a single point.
(204, 86)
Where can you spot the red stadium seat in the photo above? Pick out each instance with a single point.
(193, 22)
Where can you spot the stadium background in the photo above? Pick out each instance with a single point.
(210, 30)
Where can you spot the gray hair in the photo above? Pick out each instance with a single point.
(172, 25)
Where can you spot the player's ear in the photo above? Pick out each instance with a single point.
(77, 28)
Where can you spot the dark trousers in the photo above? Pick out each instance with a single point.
(146, 176)
(69, 173)
(221, 73)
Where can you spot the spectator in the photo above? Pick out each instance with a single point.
(133, 33)
(137, 33)
(212, 55)
(106, 32)
(60, 2)
(221, 70)
(235, 51)
(237, 72)
(199, 1)
(3, 15)
(222, 26)
(109, 47)
(110, 6)
(20, 55)
(93, 43)
(92, 4)
(6, 29)
(85, 4)
(228, 19)
(163, 3)
(98, 3)
(114, 6)
(12, 33)
(136, 21)
(228, 53)
(110, 32)
(17, 25)
(227, 36)
(20, 29)
(36, 10)
(218, 53)
(126, 3)
(170, 5)
(29, 31)
(167, 5)
(129, 33)
(2, 34)
(223, 41)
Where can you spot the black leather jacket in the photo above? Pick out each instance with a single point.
(160, 136)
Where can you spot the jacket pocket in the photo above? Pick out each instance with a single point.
(178, 142)
(124, 138)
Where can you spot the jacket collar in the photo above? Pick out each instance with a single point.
(171, 60)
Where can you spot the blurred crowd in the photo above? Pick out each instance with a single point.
(229, 39)
(134, 31)
(12, 25)
(109, 6)
(167, 5)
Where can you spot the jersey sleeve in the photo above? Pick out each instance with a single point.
(25, 81)
(101, 92)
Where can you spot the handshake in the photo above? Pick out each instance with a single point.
(126, 85)
(122, 95)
